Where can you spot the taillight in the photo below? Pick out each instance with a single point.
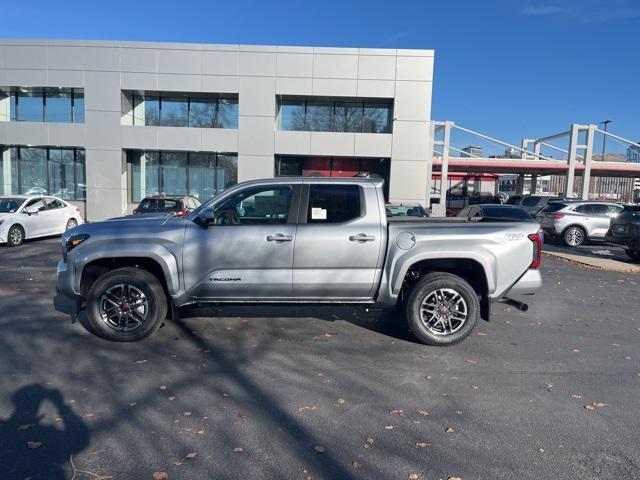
(557, 216)
(536, 238)
(182, 212)
(136, 211)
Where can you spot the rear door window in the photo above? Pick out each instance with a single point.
(600, 210)
(333, 203)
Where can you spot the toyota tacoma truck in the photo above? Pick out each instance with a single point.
(300, 240)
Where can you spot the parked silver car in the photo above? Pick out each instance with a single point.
(576, 221)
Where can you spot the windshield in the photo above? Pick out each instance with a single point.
(501, 212)
(10, 205)
(630, 212)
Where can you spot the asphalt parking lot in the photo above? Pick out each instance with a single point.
(322, 393)
(591, 248)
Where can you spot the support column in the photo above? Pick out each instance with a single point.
(588, 158)
(520, 184)
(573, 151)
(444, 180)
(534, 183)
(432, 137)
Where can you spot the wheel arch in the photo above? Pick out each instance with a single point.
(470, 270)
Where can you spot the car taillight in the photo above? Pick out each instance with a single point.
(557, 216)
(536, 238)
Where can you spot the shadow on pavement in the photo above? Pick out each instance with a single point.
(31, 448)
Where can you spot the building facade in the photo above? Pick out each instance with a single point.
(103, 124)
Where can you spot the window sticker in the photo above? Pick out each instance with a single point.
(318, 214)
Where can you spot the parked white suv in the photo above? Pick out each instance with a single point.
(31, 216)
(578, 221)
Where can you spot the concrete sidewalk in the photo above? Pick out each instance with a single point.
(599, 263)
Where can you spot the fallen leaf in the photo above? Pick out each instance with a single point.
(171, 398)
(588, 407)
(160, 475)
(191, 455)
(306, 407)
(238, 449)
(413, 476)
(26, 427)
(422, 412)
(186, 414)
(356, 465)
(549, 387)
(475, 387)
(88, 415)
(576, 396)
(575, 350)
(388, 427)
(449, 430)
(422, 444)
(319, 449)
(33, 445)
(541, 450)
(397, 412)
(200, 432)
(327, 334)
(454, 478)
(459, 412)
(163, 387)
(481, 334)
(599, 404)
(141, 361)
(243, 414)
(132, 404)
(341, 401)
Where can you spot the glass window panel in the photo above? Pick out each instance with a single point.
(68, 172)
(202, 113)
(81, 187)
(377, 118)
(145, 172)
(202, 173)
(174, 112)
(348, 117)
(174, 173)
(152, 111)
(291, 115)
(227, 113)
(12, 107)
(57, 105)
(14, 170)
(226, 172)
(55, 172)
(319, 116)
(33, 171)
(333, 203)
(138, 109)
(78, 106)
(30, 106)
(255, 206)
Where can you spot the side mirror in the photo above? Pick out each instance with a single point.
(205, 217)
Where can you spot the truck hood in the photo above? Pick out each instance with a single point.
(126, 229)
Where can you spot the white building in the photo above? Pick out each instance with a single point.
(105, 123)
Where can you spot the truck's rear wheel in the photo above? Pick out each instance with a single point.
(126, 304)
(442, 309)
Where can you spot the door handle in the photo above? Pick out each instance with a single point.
(279, 237)
(361, 238)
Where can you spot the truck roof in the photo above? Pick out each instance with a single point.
(362, 180)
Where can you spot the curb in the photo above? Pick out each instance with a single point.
(599, 263)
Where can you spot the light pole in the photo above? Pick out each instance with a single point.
(604, 137)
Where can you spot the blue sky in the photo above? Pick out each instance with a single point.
(509, 68)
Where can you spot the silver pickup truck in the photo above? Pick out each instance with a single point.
(298, 240)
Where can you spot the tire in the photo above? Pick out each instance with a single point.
(15, 236)
(633, 254)
(70, 224)
(441, 288)
(115, 320)
(574, 236)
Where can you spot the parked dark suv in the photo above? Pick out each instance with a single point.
(532, 203)
(624, 231)
(179, 205)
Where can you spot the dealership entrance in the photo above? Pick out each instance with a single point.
(310, 166)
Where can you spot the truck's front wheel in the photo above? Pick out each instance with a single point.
(126, 304)
(442, 309)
